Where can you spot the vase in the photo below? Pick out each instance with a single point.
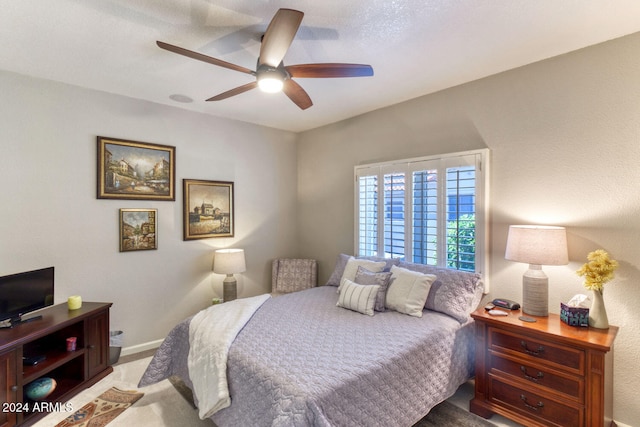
(598, 313)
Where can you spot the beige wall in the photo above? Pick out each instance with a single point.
(565, 149)
(50, 214)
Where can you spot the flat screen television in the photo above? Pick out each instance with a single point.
(23, 293)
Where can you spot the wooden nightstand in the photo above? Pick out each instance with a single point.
(545, 373)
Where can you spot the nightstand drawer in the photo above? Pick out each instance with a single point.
(565, 358)
(534, 406)
(568, 385)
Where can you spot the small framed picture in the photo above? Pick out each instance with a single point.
(208, 209)
(135, 170)
(138, 229)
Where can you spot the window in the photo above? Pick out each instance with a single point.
(429, 210)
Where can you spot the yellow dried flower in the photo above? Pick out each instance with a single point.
(598, 271)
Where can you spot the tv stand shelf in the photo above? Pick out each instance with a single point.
(73, 371)
(53, 360)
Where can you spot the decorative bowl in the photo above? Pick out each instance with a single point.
(41, 388)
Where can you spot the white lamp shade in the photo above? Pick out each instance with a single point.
(229, 261)
(537, 245)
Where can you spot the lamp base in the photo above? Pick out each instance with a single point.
(229, 288)
(535, 292)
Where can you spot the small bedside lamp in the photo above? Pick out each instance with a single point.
(229, 262)
(536, 245)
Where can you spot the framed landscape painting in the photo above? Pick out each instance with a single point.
(138, 230)
(135, 170)
(208, 209)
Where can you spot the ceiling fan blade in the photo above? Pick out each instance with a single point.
(298, 95)
(329, 70)
(204, 58)
(279, 35)
(235, 91)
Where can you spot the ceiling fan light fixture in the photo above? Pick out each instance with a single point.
(270, 81)
(271, 75)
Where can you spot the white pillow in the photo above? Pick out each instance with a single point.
(360, 298)
(408, 291)
(351, 269)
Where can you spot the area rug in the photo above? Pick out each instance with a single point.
(104, 409)
(443, 415)
(448, 414)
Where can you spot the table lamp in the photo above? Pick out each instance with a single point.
(229, 262)
(536, 245)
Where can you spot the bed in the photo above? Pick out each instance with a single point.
(304, 359)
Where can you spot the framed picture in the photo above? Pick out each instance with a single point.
(208, 209)
(135, 170)
(138, 231)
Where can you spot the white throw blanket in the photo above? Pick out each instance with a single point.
(211, 333)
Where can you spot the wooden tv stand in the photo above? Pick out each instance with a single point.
(73, 371)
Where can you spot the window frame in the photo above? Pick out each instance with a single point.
(480, 158)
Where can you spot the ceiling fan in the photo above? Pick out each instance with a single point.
(271, 74)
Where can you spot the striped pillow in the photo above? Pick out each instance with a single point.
(360, 298)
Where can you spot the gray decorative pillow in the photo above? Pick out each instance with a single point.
(341, 263)
(455, 293)
(358, 298)
(366, 277)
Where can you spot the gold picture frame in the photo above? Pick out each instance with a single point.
(207, 209)
(133, 170)
(138, 229)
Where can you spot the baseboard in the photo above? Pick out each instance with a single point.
(126, 351)
(619, 424)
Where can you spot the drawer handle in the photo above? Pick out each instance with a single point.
(537, 352)
(539, 376)
(539, 405)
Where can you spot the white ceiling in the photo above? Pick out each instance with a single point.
(416, 47)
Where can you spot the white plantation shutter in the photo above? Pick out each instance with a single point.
(429, 210)
(461, 231)
(367, 211)
(425, 216)
(394, 214)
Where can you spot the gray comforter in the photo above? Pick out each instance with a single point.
(302, 361)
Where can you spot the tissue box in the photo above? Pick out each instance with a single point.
(574, 316)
